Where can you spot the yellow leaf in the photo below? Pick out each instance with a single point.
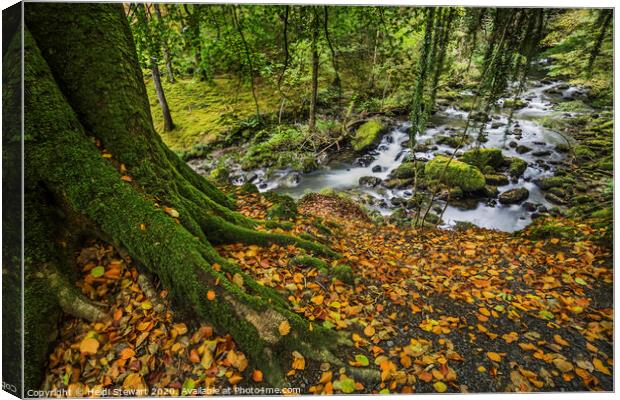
(600, 367)
(135, 383)
(440, 387)
(318, 300)
(172, 212)
(369, 331)
(563, 365)
(284, 328)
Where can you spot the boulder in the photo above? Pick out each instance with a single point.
(554, 199)
(542, 153)
(496, 180)
(364, 160)
(367, 134)
(457, 173)
(376, 168)
(483, 157)
(406, 170)
(369, 181)
(517, 167)
(514, 196)
(553, 182)
(522, 149)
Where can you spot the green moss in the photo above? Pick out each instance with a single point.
(367, 134)
(576, 106)
(407, 170)
(465, 176)
(515, 103)
(204, 112)
(344, 273)
(554, 182)
(284, 207)
(517, 167)
(482, 158)
(584, 153)
(549, 230)
(248, 187)
(219, 174)
(310, 262)
(452, 141)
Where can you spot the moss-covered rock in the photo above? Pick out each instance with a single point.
(514, 196)
(517, 167)
(496, 179)
(583, 153)
(452, 141)
(457, 173)
(515, 103)
(553, 182)
(407, 170)
(482, 158)
(367, 134)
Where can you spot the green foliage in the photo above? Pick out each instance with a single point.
(571, 40)
(456, 173)
(367, 134)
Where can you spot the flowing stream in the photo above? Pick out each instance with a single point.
(344, 171)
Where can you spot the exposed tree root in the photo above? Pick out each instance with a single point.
(69, 298)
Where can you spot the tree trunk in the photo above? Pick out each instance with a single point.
(161, 96)
(315, 70)
(73, 115)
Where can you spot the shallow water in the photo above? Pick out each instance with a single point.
(343, 174)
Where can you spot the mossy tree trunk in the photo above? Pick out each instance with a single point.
(85, 98)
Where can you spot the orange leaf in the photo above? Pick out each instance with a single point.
(560, 340)
(89, 346)
(257, 375)
(210, 295)
(493, 356)
(299, 362)
(369, 331)
(127, 353)
(425, 376)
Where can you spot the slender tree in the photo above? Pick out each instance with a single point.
(165, 45)
(314, 27)
(153, 49)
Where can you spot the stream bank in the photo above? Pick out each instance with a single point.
(523, 161)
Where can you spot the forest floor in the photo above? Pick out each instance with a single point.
(433, 310)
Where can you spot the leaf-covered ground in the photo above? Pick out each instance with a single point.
(433, 310)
